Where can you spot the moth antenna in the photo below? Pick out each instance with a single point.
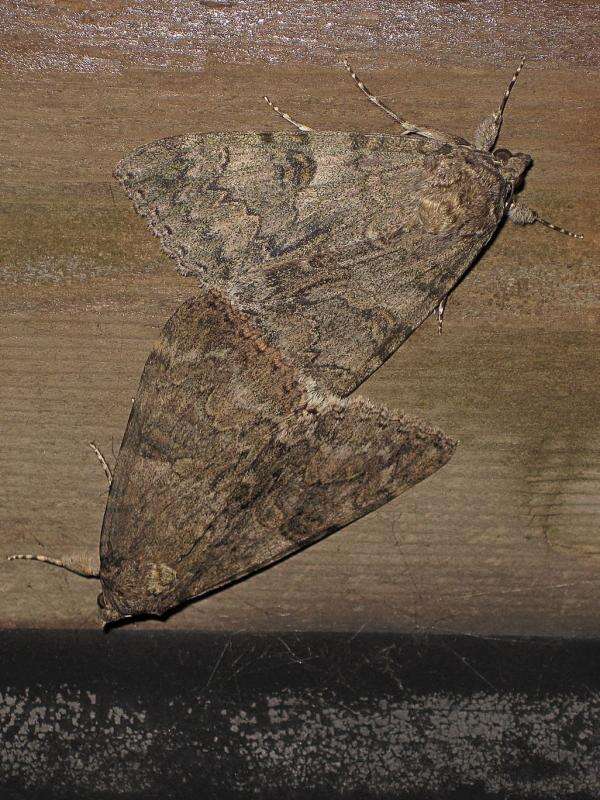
(488, 131)
(408, 127)
(103, 462)
(84, 566)
(558, 228)
(509, 89)
(521, 214)
(287, 117)
(375, 100)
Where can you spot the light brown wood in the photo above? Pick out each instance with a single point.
(506, 538)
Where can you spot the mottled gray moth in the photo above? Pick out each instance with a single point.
(337, 244)
(320, 253)
(232, 460)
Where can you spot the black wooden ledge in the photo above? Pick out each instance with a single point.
(146, 714)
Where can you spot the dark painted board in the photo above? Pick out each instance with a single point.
(161, 715)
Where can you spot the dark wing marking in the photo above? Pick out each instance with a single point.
(232, 460)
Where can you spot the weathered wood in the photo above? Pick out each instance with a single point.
(505, 538)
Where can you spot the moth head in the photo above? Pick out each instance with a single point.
(513, 165)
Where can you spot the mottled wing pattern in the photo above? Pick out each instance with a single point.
(340, 319)
(217, 199)
(231, 460)
(337, 244)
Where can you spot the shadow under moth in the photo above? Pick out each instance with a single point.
(318, 253)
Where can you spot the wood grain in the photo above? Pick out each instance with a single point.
(505, 538)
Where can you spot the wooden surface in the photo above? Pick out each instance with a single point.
(506, 538)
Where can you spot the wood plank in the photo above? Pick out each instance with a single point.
(502, 540)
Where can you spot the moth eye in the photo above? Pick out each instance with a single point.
(502, 154)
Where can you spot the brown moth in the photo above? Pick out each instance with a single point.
(338, 245)
(232, 460)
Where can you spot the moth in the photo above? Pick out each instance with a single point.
(232, 460)
(336, 244)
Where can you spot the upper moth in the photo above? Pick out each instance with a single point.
(337, 244)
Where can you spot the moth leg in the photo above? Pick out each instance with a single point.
(85, 565)
(487, 132)
(103, 462)
(521, 214)
(440, 312)
(287, 117)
